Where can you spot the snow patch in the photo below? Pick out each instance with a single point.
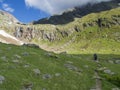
(3, 33)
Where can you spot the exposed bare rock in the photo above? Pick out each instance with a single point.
(2, 78)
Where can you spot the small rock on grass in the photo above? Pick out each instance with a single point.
(16, 61)
(36, 71)
(117, 62)
(25, 54)
(44, 89)
(47, 76)
(58, 74)
(27, 86)
(17, 56)
(115, 89)
(26, 66)
(3, 58)
(2, 79)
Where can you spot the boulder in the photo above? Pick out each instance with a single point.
(115, 89)
(3, 58)
(26, 65)
(50, 54)
(36, 71)
(27, 86)
(16, 61)
(107, 71)
(17, 56)
(110, 61)
(58, 74)
(25, 54)
(72, 67)
(117, 61)
(47, 76)
(44, 89)
(86, 66)
(31, 45)
(2, 79)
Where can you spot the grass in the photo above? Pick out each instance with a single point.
(16, 75)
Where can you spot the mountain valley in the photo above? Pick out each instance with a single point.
(57, 53)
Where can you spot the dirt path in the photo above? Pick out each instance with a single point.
(98, 81)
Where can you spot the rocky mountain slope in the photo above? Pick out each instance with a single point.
(102, 27)
(9, 39)
(78, 12)
(7, 19)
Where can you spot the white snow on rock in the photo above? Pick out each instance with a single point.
(9, 39)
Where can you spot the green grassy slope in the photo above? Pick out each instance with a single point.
(17, 64)
(96, 32)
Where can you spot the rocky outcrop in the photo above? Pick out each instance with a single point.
(29, 33)
(103, 22)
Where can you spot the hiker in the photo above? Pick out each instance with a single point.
(95, 57)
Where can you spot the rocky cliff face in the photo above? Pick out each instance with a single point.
(78, 12)
(53, 33)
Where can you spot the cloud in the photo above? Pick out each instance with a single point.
(7, 8)
(58, 6)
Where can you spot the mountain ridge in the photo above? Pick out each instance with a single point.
(78, 12)
(7, 18)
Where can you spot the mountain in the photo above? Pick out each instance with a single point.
(9, 39)
(80, 55)
(78, 12)
(83, 35)
(6, 18)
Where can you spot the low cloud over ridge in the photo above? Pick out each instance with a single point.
(58, 6)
